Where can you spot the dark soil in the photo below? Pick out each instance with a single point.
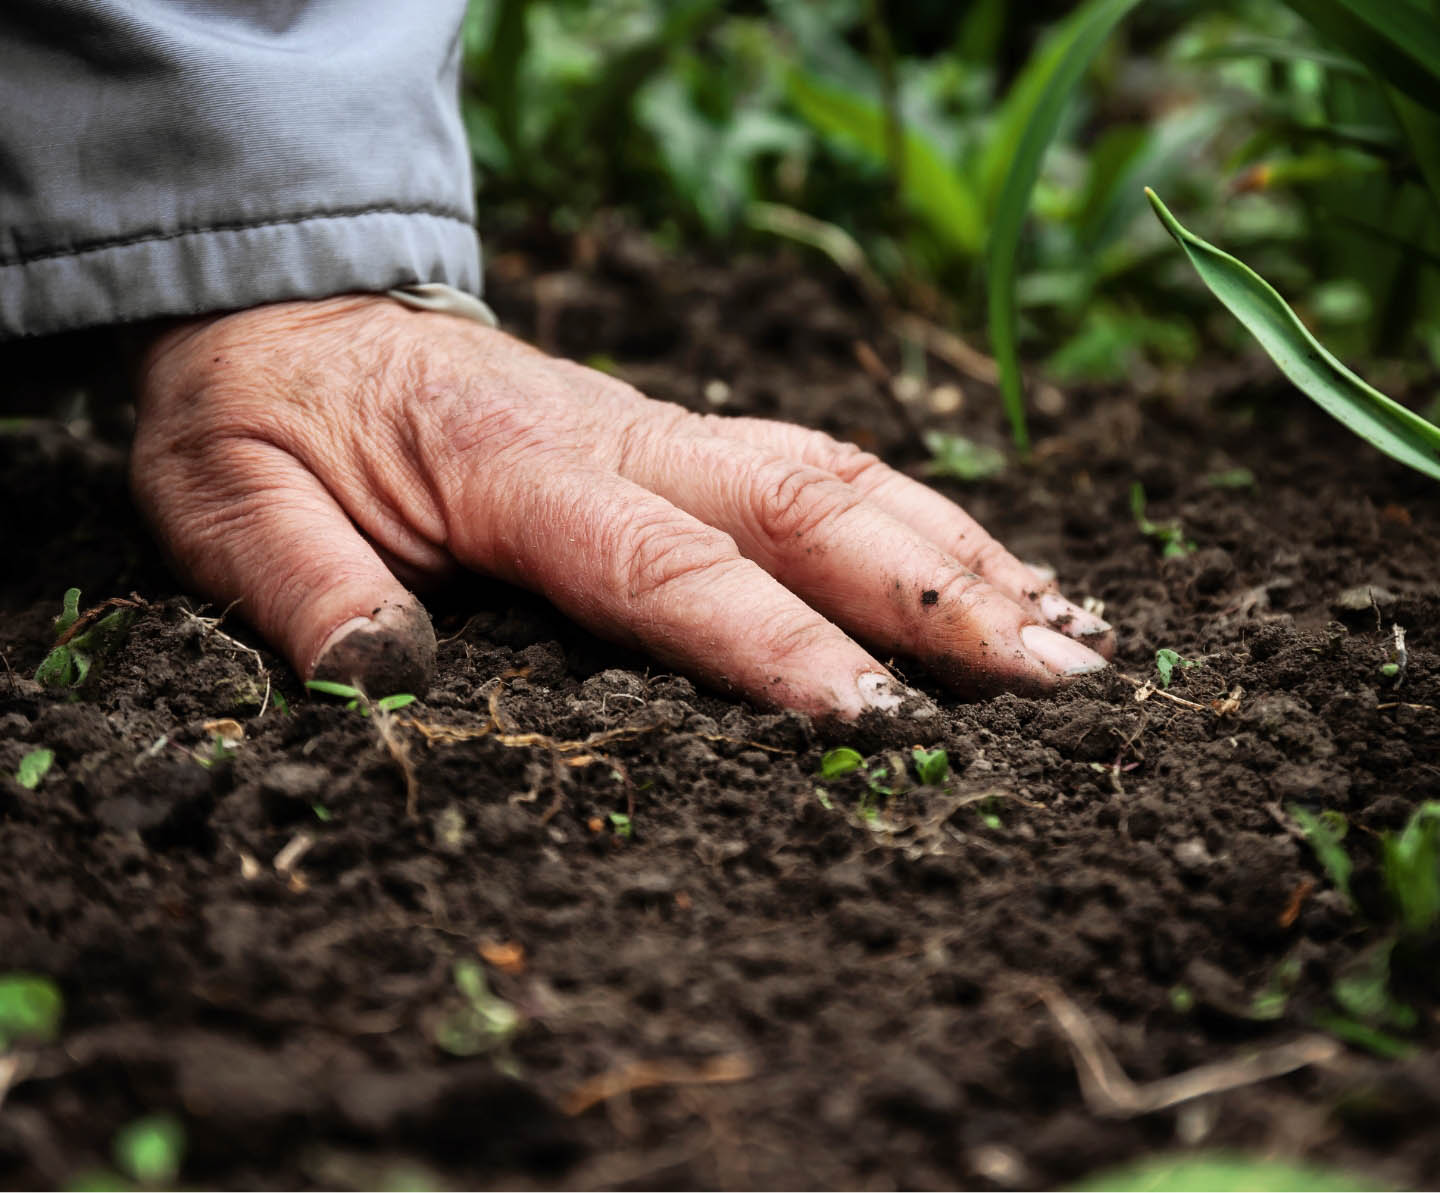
(771, 989)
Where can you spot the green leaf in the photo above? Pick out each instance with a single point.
(961, 458)
(1410, 862)
(398, 700)
(1363, 990)
(1221, 1171)
(34, 767)
(840, 761)
(30, 1008)
(1324, 838)
(1398, 41)
(1362, 1035)
(70, 611)
(1387, 425)
(933, 766)
(1166, 660)
(941, 195)
(150, 1149)
(621, 824)
(330, 688)
(1068, 56)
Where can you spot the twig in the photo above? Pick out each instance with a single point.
(1146, 689)
(646, 1074)
(1108, 1092)
(14, 685)
(93, 614)
(212, 626)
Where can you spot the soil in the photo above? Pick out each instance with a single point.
(761, 978)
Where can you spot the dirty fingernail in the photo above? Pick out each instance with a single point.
(1060, 655)
(393, 650)
(1070, 617)
(880, 692)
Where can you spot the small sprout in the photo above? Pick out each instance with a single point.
(281, 704)
(933, 766)
(1166, 660)
(988, 811)
(1363, 991)
(840, 761)
(30, 1008)
(322, 813)
(960, 458)
(355, 698)
(1410, 864)
(1231, 478)
(69, 664)
(1399, 660)
(620, 825)
(1170, 535)
(484, 1023)
(1390, 670)
(149, 1150)
(1182, 1001)
(34, 767)
(824, 797)
(1324, 833)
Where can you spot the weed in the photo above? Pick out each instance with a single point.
(355, 698)
(82, 640)
(150, 1150)
(483, 1023)
(1166, 660)
(1169, 534)
(933, 766)
(30, 1009)
(34, 767)
(961, 459)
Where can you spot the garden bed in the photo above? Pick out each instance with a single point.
(726, 971)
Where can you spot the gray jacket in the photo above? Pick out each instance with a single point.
(175, 157)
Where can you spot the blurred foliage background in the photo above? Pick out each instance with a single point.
(880, 134)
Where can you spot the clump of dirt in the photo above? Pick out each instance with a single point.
(713, 968)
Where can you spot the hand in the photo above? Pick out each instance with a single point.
(302, 458)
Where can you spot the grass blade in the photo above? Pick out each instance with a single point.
(1397, 40)
(1399, 433)
(1066, 58)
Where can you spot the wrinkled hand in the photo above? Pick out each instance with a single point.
(298, 458)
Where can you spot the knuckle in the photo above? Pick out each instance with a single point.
(659, 555)
(797, 637)
(793, 500)
(987, 556)
(961, 591)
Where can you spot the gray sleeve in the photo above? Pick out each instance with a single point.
(174, 157)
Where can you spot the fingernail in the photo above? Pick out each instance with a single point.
(1042, 572)
(1070, 617)
(880, 692)
(1060, 655)
(393, 650)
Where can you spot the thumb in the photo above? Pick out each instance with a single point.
(249, 525)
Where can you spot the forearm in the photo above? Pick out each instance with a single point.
(161, 159)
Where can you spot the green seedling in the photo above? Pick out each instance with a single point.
(150, 1150)
(620, 825)
(34, 767)
(988, 811)
(1231, 478)
(355, 698)
(1222, 1171)
(282, 705)
(961, 459)
(839, 762)
(1182, 1000)
(322, 813)
(1169, 534)
(1166, 660)
(933, 766)
(483, 1023)
(81, 642)
(1270, 1003)
(30, 1009)
(842, 761)
(1323, 833)
(1410, 864)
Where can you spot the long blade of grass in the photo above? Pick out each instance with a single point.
(936, 191)
(1397, 40)
(1067, 56)
(1387, 425)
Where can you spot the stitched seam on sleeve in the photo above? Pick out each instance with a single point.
(340, 213)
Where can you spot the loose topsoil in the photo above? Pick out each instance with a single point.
(760, 978)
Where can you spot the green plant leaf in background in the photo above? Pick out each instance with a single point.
(150, 1149)
(34, 767)
(1410, 862)
(936, 191)
(1068, 55)
(1399, 41)
(1387, 425)
(1221, 1171)
(840, 761)
(1323, 833)
(30, 1008)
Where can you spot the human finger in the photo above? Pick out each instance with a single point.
(930, 513)
(858, 565)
